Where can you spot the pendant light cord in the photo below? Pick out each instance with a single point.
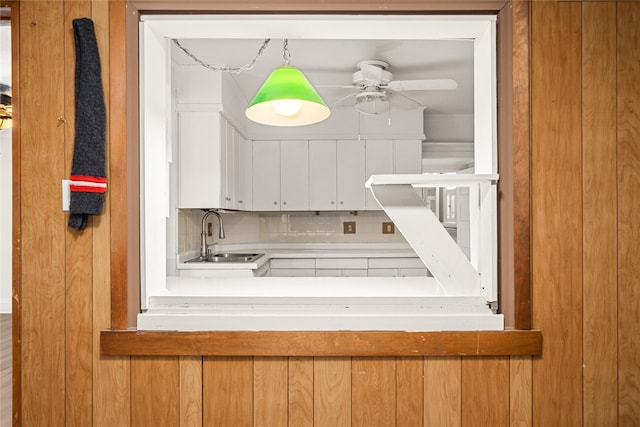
(227, 68)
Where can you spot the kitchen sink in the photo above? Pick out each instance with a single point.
(225, 257)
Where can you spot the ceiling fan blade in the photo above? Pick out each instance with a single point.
(429, 84)
(337, 86)
(341, 100)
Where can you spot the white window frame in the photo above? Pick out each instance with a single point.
(156, 32)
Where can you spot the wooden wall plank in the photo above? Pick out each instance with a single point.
(628, 100)
(373, 391)
(78, 257)
(557, 211)
(521, 68)
(485, 391)
(409, 391)
(42, 222)
(191, 391)
(332, 391)
(520, 393)
(155, 389)
(270, 391)
(442, 391)
(599, 213)
(227, 391)
(111, 374)
(300, 391)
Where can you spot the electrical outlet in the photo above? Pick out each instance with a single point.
(209, 229)
(388, 228)
(349, 227)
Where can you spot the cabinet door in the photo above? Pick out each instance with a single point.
(322, 175)
(407, 156)
(244, 173)
(229, 170)
(350, 155)
(379, 154)
(200, 160)
(266, 175)
(294, 175)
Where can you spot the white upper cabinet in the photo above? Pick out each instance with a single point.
(407, 156)
(210, 168)
(294, 175)
(244, 184)
(266, 175)
(350, 173)
(379, 155)
(200, 160)
(322, 175)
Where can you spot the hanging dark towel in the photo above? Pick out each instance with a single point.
(88, 176)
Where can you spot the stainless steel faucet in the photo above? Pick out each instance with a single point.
(203, 235)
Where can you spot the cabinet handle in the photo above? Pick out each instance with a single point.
(342, 203)
(284, 203)
(240, 201)
(333, 203)
(227, 198)
(275, 203)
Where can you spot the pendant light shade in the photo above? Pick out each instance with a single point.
(287, 99)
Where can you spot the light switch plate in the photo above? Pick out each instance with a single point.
(66, 194)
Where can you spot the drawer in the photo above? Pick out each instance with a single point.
(329, 273)
(293, 272)
(293, 263)
(412, 272)
(342, 263)
(383, 272)
(409, 262)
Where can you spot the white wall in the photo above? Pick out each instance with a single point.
(5, 221)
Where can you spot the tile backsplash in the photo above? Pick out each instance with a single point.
(286, 227)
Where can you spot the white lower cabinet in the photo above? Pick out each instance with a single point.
(347, 267)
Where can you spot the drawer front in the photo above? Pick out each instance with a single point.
(383, 272)
(293, 272)
(293, 263)
(342, 263)
(409, 262)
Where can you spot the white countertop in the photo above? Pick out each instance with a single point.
(301, 250)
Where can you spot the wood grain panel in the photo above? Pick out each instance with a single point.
(628, 100)
(521, 152)
(557, 207)
(343, 343)
(409, 391)
(191, 391)
(155, 389)
(485, 391)
(300, 391)
(78, 258)
(270, 393)
(16, 219)
(332, 391)
(520, 396)
(227, 391)
(373, 391)
(42, 222)
(442, 391)
(599, 213)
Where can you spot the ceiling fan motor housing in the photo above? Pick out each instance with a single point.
(372, 72)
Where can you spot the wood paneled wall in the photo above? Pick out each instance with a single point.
(585, 154)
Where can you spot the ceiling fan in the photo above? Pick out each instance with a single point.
(374, 84)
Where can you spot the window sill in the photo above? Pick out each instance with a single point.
(299, 343)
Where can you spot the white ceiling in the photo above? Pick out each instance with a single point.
(332, 62)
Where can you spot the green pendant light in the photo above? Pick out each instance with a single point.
(287, 99)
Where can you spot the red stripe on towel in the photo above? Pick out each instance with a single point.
(87, 189)
(88, 178)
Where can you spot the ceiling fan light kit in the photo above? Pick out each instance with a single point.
(287, 99)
